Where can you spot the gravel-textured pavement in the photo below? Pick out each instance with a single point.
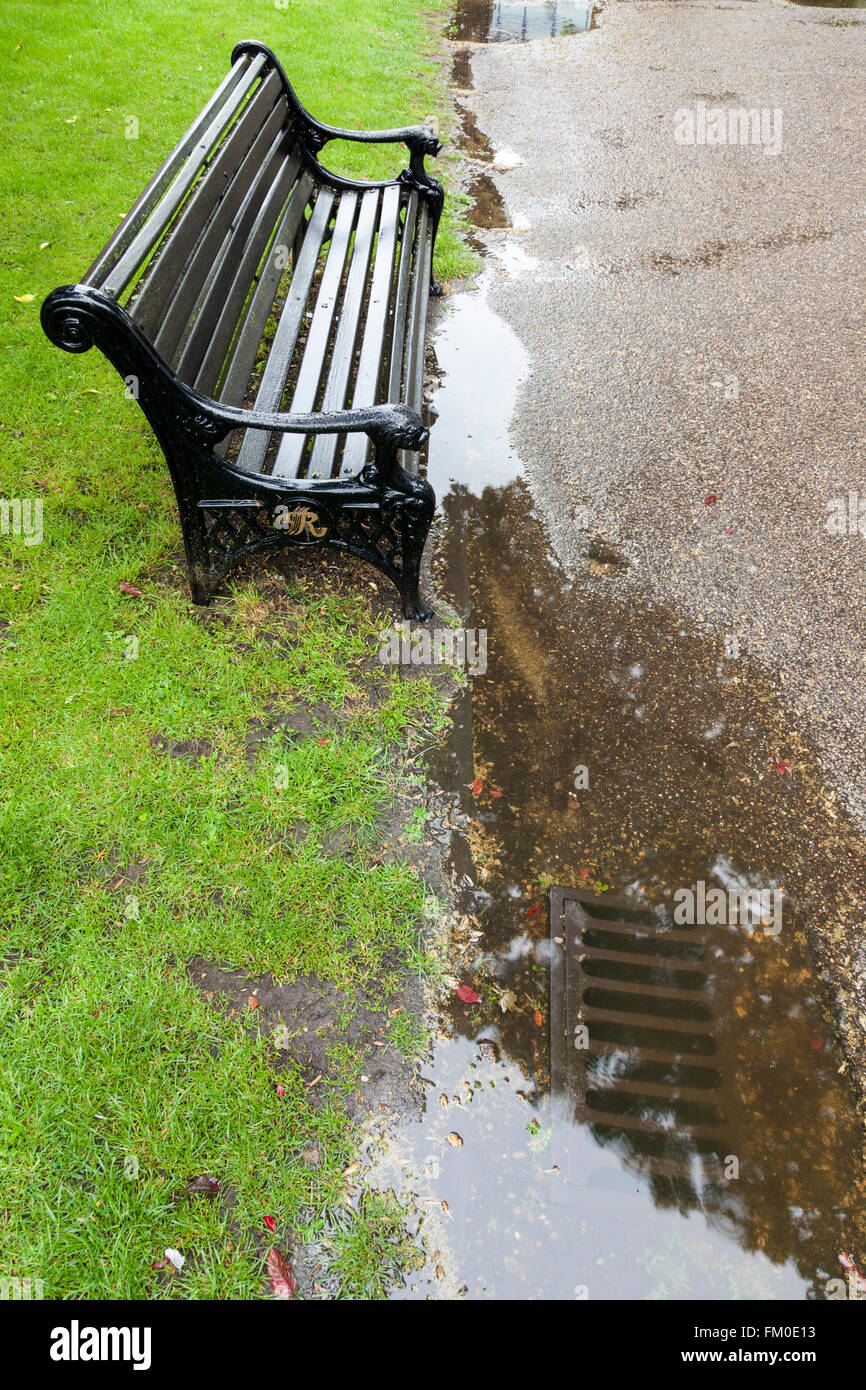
(694, 316)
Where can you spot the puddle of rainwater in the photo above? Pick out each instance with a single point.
(461, 69)
(517, 1198)
(516, 1193)
(483, 21)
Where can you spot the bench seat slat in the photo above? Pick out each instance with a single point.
(343, 352)
(255, 444)
(145, 240)
(291, 450)
(243, 355)
(413, 376)
(401, 301)
(373, 341)
(144, 204)
(147, 306)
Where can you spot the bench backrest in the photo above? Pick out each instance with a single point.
(185, 259)
(241, 223)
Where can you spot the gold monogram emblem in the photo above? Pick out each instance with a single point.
(302, 522)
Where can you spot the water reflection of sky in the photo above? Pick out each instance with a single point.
(482, 21)
(470, 443)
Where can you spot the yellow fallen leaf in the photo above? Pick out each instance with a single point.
(24, 298)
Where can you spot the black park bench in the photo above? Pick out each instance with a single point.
(269, 317)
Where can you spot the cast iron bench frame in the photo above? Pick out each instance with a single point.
(380, 510)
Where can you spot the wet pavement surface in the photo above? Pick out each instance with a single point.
(623, 747)
(695, 318)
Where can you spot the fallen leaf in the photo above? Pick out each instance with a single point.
(24, 298)
(477, 787)
(495, 793)
(280, 1275)
(816, 1044)
(202, 1187)
(270, 1223)
(539, 1018)
(467, 995)
(127, 588)
(507, 1000)
(281, 1091)
(781, 767)
(253, 1002)
(710, 499)
(454, 1140)
(532, 912)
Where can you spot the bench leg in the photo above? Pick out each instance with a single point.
(416, 518)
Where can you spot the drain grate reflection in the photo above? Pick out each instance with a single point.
(635, 1053)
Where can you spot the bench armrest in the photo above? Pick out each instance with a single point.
(418, 139)
(77, 317)
(390, 425)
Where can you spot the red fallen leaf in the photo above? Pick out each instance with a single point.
(160, 1264)
(781, 767)
(127, 588)
(584, 873)
(270, 1223)
(467, 995)
(281, 1091)
(729, 530)
(539, 1018)
(323, 742)
(477, 787)
(816, 1044)
(532, 912)
(710, 499)
(493, 793)
(280, 1276)
(253, 1002)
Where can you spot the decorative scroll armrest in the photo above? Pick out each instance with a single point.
(77, 317)
(391, 425)
(419, 139)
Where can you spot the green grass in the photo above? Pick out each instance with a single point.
(121, 1080)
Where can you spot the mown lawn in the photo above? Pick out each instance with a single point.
(120, 862)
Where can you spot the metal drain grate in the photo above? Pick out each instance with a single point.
(633, 1052)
